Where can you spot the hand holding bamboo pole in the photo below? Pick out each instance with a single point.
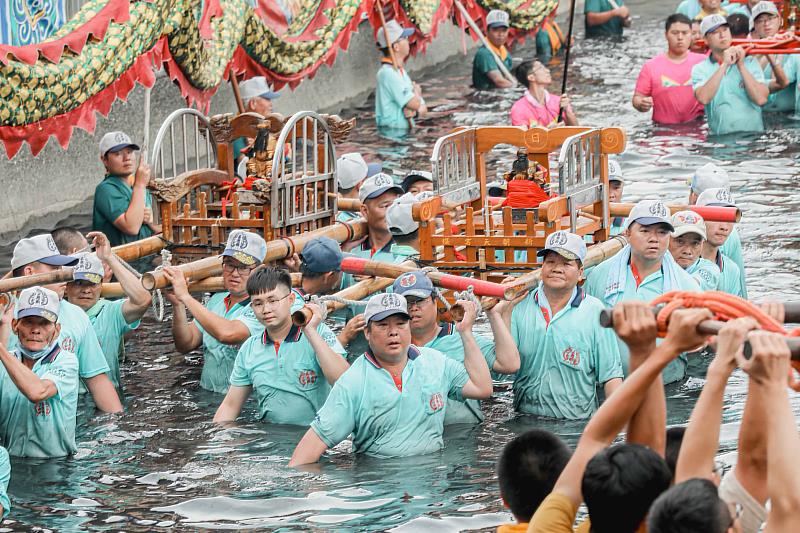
(474, 27)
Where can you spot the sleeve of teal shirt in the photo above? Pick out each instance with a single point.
(5, 477)
(701, 74)
(91, 354)
(544, 48)
(240, 375)
(608, 363)
(63, 372)
(330, 339)
(396, 88)
(683, 8)
(110, 202)
(594, 6)
(488, 350)
(336, 419)
(456, 376)
(119, 317)
(484, 61)
(755, 69)
(249, 319)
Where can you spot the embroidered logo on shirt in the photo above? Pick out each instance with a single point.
(307, 377)
(42, 408)
(571, 356)
(436, 402)
(68, 344)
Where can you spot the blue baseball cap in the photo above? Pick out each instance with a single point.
(413, 284)
(322, 255)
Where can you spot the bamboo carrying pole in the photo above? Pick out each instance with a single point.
(141, 248)
(358, 291)
(708, 327)
(46, 278)
(277, 249)
(215, 284)
(474, 27)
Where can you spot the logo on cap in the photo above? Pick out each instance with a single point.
(51, 244)
(558, 238)
(38, 299)
(83, 264)
(724, 195)
(688, 218)
(120, 138)
(391, 300)
(408, 281)
(239, 241)
(657, 209)
(383, 181)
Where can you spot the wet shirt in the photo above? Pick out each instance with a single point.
(527, 111)
(670, 86)
(387, 420)
(731, 110)
(484, 63)
(732, 248)
(110, 326)
(611, 28)
(5, 477)
(46, 428)
(112, 197)
(394, 90)
(449, 342)
(648, 289)
(563, 357)
(286, 376)
(705, 273)
(783, 100)
(218, 357)
(730, 281)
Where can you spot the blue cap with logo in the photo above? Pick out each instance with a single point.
(246, 247)
(649, 212)
(377, 185)
(568, 245)
(41, 249)
(382, 306)
(322, 255)
(89, 268)
(413, 284)
(38, 301)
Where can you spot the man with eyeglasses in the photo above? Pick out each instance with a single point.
(427, 331)
(291, 369)
(226, 320)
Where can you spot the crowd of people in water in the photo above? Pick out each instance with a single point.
(394, 375)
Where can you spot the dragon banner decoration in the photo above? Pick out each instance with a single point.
(49, 88)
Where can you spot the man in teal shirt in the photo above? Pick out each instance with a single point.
(226, 320)
(111, 319)
(718, 232)
(122, 209)
(642, 270)
(397, 99)
(351, 171)
(38, 382)
(564, 353)
(392, 399)
(729, 84)
(5, 477)
(686, 244)
(604, 20)
(39, 255)
(290, 368)
(486, 73)
(428, 332)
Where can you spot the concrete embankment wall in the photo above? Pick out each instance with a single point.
(39, 191)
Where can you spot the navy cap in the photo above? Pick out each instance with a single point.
(413, 284)
(322, 255)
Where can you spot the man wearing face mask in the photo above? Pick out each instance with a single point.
(111, 319)
(39, 255)
(38, 381)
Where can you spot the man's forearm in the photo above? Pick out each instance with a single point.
(783, 472)
(103, 393)
(130, 284)
(181, 329)
(707, 92)
(751, 461)
(29, 384)
(506, 350)
(756, 91)
(474, 362)
(648, 423)
(332, 364)
(598, 18)
(134, 215)
(222, 329)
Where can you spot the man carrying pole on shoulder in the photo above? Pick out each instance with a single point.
(486, 73)
(392, 399)
(227, 320)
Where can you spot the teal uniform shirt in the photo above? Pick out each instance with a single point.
(650, 288)
(110, 327)
(544, 48)
(218, 357)
(77, 337)
(731, 110)
(705, 273)
(5, 477)
(394, 90)
(47, 428)
(782, 100)
(730, 281)
(286, 376)
(449, 343)
(611, 28)
(386, 421)
(365, 251)
(403, 252)
(347, 216)
(732, 248)
(483, 64)
(112, 197)
(563, 358)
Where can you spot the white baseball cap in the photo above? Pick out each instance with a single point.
(764, 7)
(38, 301)
(40, 248)
(377, 185)
(399, 215)
(114, 141)
(497, 18)
(254, 87)
(395, 31)
(385, 305)
(246, 247)
(688, 222)
(709, 176)
(89, 268)
(568, 245)
(649, 212)
(711, 23)
(614, 171)
(351, 169)
(719, 196)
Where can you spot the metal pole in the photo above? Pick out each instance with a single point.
(482, 37)
(566, 55)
